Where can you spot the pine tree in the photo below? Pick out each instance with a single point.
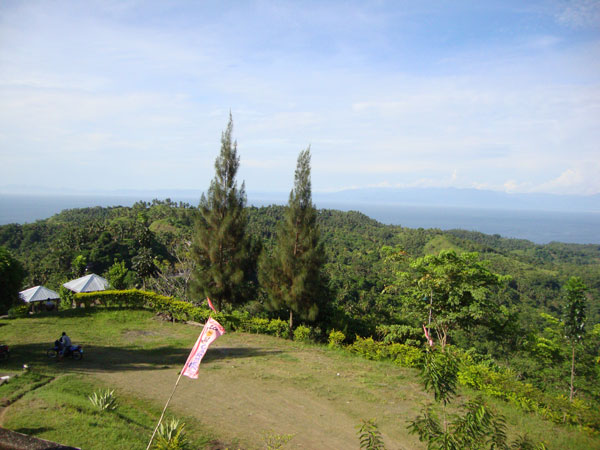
(292, 274)
(221, 249)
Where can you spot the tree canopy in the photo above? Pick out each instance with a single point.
(222, 248)
(292, 274)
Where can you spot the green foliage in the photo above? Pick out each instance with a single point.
(78, 265)
(117, 275)
(400, 334)
(12, 275)
(477, 428)
(336, 339)
(277, 327)
(440, 374)
(104, 400)
(18, 311)
(574, 309)
(171, 435)
(402, 354)
(292, 275)
(302, 334)
(222, 250)
(369, 435)
(503, 383)
(448, 289)
(275, 441)
(66, 298)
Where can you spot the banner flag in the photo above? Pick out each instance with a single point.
(211, 331)
(210, 305)
(429, 340)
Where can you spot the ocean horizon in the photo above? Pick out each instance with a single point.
(540, 227)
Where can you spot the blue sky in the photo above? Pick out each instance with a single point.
(104, 95)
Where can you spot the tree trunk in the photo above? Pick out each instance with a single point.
(572, 371)
(291, 324)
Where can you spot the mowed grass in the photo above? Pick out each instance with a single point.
(249, 386)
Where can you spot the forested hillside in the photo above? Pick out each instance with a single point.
(148, 245)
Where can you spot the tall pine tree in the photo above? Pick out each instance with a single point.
(292, 275)
(221, 248)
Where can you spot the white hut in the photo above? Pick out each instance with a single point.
(38, 294)
(89, 283)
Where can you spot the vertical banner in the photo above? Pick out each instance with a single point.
(211, 331)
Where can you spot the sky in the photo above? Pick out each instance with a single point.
(124, 94)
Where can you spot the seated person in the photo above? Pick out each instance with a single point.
(65, 344)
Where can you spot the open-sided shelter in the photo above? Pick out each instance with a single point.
(38, 294)
(89, 283)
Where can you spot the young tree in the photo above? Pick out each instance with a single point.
(292, 275)
(574, 319)
(223, 253)
(448, 290)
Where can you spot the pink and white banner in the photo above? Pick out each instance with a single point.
(211, 331)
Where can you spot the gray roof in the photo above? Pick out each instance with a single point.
(38, 294)
(89, 283)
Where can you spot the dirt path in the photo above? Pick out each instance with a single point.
(252, 384)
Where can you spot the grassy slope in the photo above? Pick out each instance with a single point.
(249, 385)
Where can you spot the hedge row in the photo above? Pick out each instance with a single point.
(182, 311)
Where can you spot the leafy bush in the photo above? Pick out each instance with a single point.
(400, 334)
(405, 355)
(104, 400)
(336, 338)
(18, 311)
(502, 383)
(278, 327)
(66, 299)
(367, 348)
(302, 334)
(257, 325)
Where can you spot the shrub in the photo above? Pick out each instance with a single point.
(336, 338)
(258, 326)
(18, 311)
(302, 334)
(171, 436)
(400, 334)
(406, 355)
(278, 327)
(367, 348)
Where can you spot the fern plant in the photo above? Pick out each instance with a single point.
(370, 436)
(104, 400)
(171, 435)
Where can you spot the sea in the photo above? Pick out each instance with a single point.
(540, 227)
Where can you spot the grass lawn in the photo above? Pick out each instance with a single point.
(249, 386)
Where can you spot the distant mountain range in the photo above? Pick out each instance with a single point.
(427, 197)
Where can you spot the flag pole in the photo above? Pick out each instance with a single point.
(175, 387)
(164, 409)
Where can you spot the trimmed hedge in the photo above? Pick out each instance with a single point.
(137, 299)
(181, 311)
